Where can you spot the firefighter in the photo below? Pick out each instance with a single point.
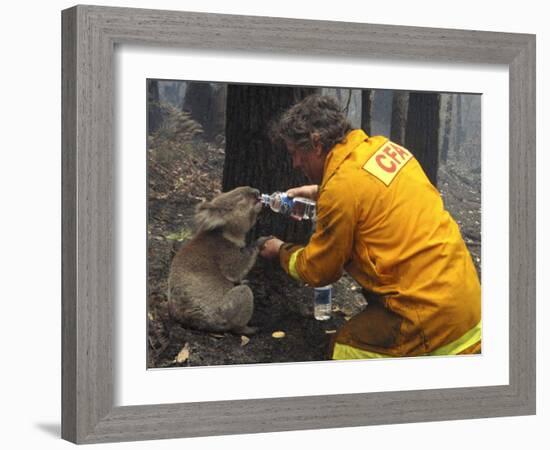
(381, 220)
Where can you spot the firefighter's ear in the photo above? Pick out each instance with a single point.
(316, 143)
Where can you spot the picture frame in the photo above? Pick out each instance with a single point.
(90, 34)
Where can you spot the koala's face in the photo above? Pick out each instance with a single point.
(236, 210)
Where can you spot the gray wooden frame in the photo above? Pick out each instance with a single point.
(89, 37)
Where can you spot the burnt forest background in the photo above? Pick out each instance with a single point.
(206, 138)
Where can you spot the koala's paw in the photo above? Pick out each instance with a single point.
(262, 240)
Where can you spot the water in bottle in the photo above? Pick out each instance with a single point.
(299, 208)
(322, 302)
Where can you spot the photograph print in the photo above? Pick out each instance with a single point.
(292, 224)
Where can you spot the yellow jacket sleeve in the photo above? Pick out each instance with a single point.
(322, 260)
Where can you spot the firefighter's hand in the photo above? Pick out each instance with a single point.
(270, 248)
(260, 242)
(310, 191)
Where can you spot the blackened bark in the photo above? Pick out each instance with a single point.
(460, 118)
(217, 112)
(399, 114)
(422, 131)
(206, 103)
(251, 159)
(446, 126)
(367, 101)
(154, 115)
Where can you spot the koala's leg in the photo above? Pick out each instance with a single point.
(236, 309)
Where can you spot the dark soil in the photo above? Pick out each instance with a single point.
(280, 303)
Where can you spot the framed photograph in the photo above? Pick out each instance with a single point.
(165, 111)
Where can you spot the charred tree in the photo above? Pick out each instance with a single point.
(154, 113)
(206, 104)
(399, 114)
(217, 113)
(446, 125)
(469, 131)
(459, 118)
(367, 102)
(422, 131)
(251, 159)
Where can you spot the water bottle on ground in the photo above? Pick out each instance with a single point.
(322, 302)
(299, 208)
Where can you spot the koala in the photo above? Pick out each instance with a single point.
(205, 284)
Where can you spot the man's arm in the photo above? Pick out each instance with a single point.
(323, 259)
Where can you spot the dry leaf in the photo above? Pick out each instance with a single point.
(183, 355)
(278, 334)
(217, 336)
(347, 311)
(244, 340)
(330, 331)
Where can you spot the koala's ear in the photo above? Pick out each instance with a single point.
(208, 217)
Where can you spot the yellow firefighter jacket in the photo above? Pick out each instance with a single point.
(380, 219)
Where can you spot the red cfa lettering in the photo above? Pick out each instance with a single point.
(387, 161)
(400, 150)
(395, 153)
(391, 154)
(380, 161)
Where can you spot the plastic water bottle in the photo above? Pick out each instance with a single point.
(298, 208)
(322, 302)
(322, 299)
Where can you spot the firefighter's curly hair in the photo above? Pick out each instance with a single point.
(315, 117)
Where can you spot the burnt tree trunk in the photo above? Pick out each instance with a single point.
(251, 159)
(367, 101)
(447, 126)
(204, 102)
(154, 114)
(399, 113)
(217, 112)
(422, 131)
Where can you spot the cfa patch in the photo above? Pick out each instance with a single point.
(388, 160)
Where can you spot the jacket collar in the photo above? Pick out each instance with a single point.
(340, 152)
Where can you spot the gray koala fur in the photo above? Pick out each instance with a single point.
(205, 281)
